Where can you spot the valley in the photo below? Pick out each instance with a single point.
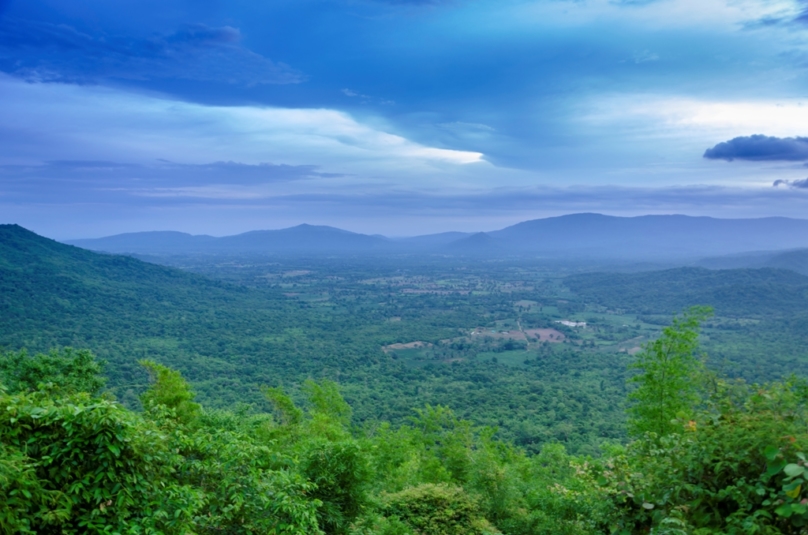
(496, 340)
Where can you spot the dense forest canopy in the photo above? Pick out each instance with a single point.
(721, 457)
(480, 337)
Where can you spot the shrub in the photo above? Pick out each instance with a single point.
(89, 466)
(437, 510)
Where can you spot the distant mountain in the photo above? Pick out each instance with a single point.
(653, 237)
(147, 242)
(794, 260)
(479, 243)
(755, 259)
(300, 239)
(432, 240)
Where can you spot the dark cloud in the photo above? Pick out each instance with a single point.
(42, 51)
(801, 184)
(760, 148)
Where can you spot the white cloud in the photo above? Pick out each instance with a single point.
(705, 118)
(66, 122)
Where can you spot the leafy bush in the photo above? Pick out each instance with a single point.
(340, 474)
(437, 510)
(245, 487)
(62, 371)
(170, 390)
(24, 504)
(737, 467)
(89, 466)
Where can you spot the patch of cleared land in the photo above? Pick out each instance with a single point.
(546, 335)
(507, 335)
(408, 345)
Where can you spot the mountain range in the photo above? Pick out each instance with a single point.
(575, 235)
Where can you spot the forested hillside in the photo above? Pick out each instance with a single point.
(738, 293)
(482, 338)
(230, 339)
(761, 326)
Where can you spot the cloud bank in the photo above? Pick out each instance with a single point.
(119, 126)
(760, 148)
(799, 184)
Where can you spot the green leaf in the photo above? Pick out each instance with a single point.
(771, 452)
(784, 510)
(774, 467)
(794, 470)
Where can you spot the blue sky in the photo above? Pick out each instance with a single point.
(397, 117)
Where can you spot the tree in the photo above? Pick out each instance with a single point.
(670, 378)
(62, 371)
(170, 390)
(76, 464)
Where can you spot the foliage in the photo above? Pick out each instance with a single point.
(340, 475)
(735, 468)
(245, 487)
(326, 400)
(285, 408)
(670, 377)
(329, 457)
(170, 390)
(97, 467)
(755, 293)
(63, 371)
(437, 510)
(520, 437)
(24, 504)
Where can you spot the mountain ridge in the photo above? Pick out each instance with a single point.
(580, 235)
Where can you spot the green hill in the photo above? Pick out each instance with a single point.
(749, 293)
(124, 309)
(228, 340)
(324, 319)
(760, 331)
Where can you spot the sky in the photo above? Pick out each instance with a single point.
(397, 117)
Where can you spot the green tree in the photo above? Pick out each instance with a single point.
(670, 378)
(170, 390)
(438, 510)
(81, 465)
(739, 467)
(61, 371)
(330, 457)
(327, 401)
